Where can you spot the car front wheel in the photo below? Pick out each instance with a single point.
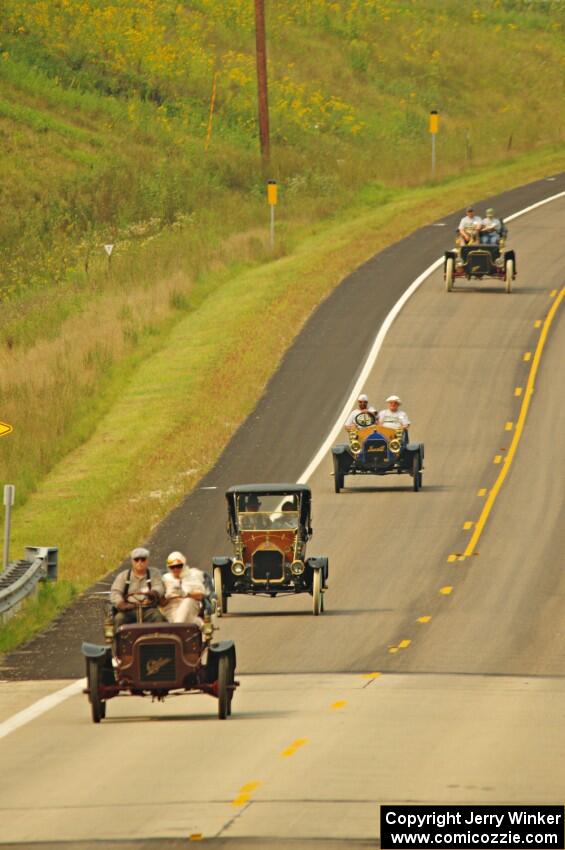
(223, 689)
(222, 603)
(97, 704)
(416, 472)
(317, 601)
(509, 275)
(449, 274)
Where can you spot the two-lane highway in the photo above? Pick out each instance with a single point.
(431, 678)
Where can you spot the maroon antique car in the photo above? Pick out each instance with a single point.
(160, 660)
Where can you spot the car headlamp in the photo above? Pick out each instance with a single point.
(394, 445)
(238, 568)
(297, 568)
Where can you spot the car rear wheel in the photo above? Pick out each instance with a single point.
(97, 704)
(416, 472)
(317, 602)
(449, 273)
(222, 604)
(223, 690)
(509, 275)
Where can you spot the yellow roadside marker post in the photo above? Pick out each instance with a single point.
(272, 201)
(9, 498)
(434, 127)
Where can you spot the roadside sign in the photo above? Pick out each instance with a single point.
(9, 494)
(272, 192)
(109, 249)
(434, 121)
(5, 429)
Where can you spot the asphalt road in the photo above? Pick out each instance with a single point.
(430, 678)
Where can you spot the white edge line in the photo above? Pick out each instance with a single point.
(47, 703)
(40, 707)
(377, 345)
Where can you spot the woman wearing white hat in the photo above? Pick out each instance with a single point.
(393, 417)
(184, 591)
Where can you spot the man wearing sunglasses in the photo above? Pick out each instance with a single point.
(138, 588)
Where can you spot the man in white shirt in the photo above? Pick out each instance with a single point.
(363, 406)
(470, 226)
(393, 417)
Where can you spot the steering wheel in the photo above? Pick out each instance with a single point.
(364, 419)
(140, 598)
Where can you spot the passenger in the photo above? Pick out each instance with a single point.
(469, 227)
(363, 406)
(393, 417)
(138, 579)
(491, 229)
(289, 521)
(184, 591)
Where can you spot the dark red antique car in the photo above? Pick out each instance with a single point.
(160, 660)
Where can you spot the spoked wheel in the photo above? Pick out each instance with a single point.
(231, 680)
(224, 708)
(222, 606)
(449, 274)
(416, 473)
(338, 476)
(317, 600)
(509, 275)
(97, 704)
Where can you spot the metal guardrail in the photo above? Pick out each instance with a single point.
(21, 578)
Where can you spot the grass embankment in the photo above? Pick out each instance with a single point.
(153, 444)
(104, 120)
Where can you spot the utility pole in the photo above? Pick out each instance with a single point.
(261, 54)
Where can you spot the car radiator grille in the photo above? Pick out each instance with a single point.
(267, 565)
(157, 663)
(375, 453)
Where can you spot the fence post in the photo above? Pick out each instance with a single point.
(9, 494)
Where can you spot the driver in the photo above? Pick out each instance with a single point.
(138, 579)
(363, 406)
(393, 417)
(469, 226)
(260, 521)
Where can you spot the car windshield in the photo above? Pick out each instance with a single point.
(267, 512)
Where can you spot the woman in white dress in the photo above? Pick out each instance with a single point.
(184, 591)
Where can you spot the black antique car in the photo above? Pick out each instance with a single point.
(477, 260)
(159, 660)
(269, 526)
(375, 449)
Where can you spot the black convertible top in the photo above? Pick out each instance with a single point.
(273, 489)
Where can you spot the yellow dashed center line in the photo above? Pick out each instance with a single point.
(393, 649)
(425, 619)
(244, 793)
(497, 459)
(371, 675)
(527, 356)
(339, 704)
(553, 293)
(404, 644)
(467, 525)
(446, 590)
(196, 836)
(451, 558)
(519, 426)
(518, 391)
(508, 426)
(482, 492)
(290, 751)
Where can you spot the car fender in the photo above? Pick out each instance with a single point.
(215, 652)
(341, 448)
(416, 447)
(221, 561)
(319, 562)
(95, 650)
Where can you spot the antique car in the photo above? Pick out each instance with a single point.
(269, 526)
(477, 260)
(375, 449)
(159, 660)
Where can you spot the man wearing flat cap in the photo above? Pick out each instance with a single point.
(393, 417)
(139, 587)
